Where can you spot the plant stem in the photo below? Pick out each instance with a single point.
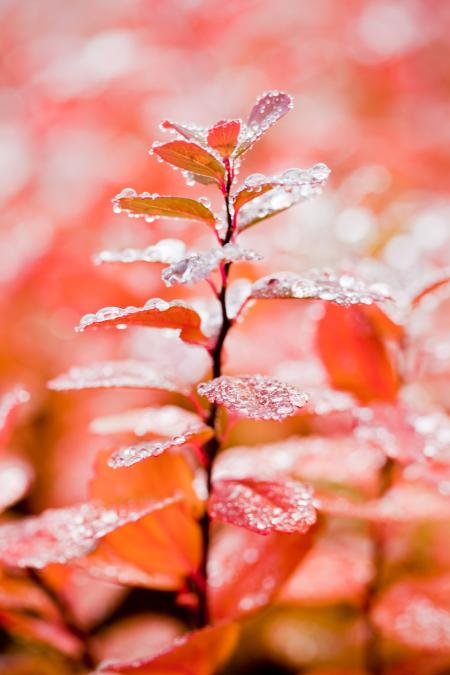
(373, 660)
(213, 446)
(86, 659)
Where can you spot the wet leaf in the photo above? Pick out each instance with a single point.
(255, 396)
(156, 313)
(223, 137)
(193, 158)
(268, 109)
(129, 373)
(9, 403)
(199, 653)
(363, 364)
(158, 206)
(137, 453)
(324, 285)
(172, 535)
(263, 506)
(15, 479)
(166, 420)
(245, 570)
(165, 251)
(58, 535)
(189, 132)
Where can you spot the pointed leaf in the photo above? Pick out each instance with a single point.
(157, 206)
(268, 109)
(58, 535)
(341, 289)
(156, 313)
(223, 137)
(137, 453)
(255, 396)
(129, 373)
(202, 652)
(363, 364)
(263, 506)
(190, 133)
(192, 158)
(166, 420)
(245, 570)
(172, 535)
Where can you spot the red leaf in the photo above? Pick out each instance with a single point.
(354, 352)
(247, 194)
(416, 613)
(256, 396)
(263, 506)
(223, 137)
(115, 374)
(164, 207)
(40, 630)
(246, 570)
(58, 535)
(268, 109)
(190, 134)
(202, 652)
(192, 158)
(20, 593)
(172, 535)
(15, 479)
(155, 313)
(137, 453)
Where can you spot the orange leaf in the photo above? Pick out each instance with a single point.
(199, 653)
(355, 354)
(263, 506)
(246, 570)
(192, 158)
(160, 544)
(155, 313)
(246, 194)
(223, 137)
(165, 207)
(40, 630)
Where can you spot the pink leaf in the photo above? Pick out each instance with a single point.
(114, 374)
(167, 420)
(223, 137)
(156, 313)
(268, 109)
(9, 403)
(263, 506)
(58, 535)
(15, 479)
(342, 289)
(255, 396)
(190, 133)
(150, 207)
(199, 653)
(136, 453)
(192, 158)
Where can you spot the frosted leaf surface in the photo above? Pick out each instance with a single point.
(278, 193)
(263, 506)
(156, 313)
(341, 289)
(136, 453)
(165, 251)
(58, 535)
(15, 479)
(129, 373)
(255, 396)
(198, 266)
(167, 420)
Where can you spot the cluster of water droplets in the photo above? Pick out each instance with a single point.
(165, 251)
(140, 451)
(287, 189)
(264, 506)
(129, 373)
(167, 420)
(254, 396)
(343, 289)
(114, 314)
(198, 266)
(58, 535)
